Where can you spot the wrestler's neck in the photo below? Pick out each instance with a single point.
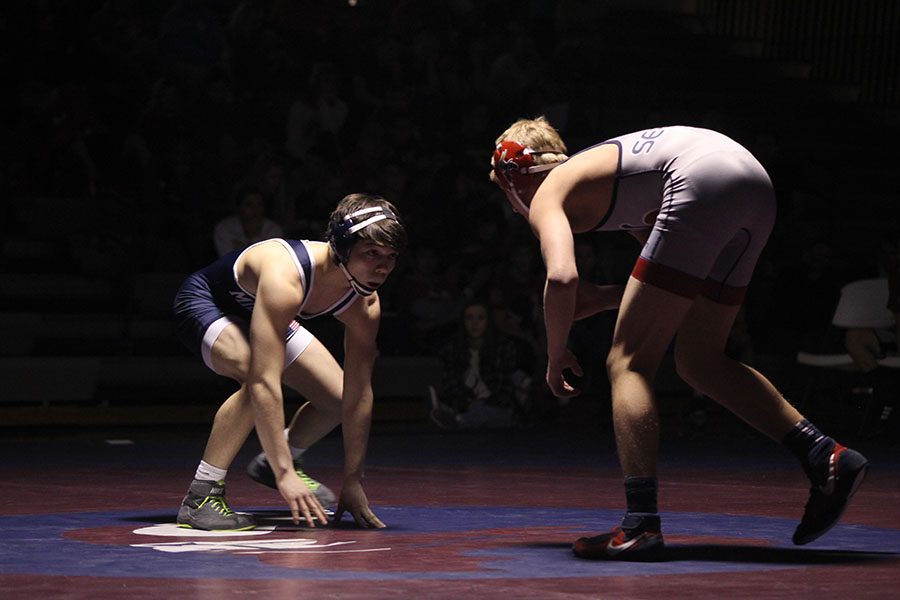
(328, 273)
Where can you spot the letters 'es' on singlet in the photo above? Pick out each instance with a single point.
(228, 294)
(653, 166)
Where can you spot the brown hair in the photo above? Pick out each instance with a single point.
(388, 232)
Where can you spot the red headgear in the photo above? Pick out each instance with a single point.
(513, 163)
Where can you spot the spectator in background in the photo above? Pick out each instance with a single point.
(867, 345)
(269, 175)
(315, 123)
(425, 297)
(249, 224)
(53, 128)
(512, 71)
(810, 289)
(482, 250)
(515, 293)
(481, 378)
(191, 42)
(890, 267)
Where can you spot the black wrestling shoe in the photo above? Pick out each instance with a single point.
(640, 545)
(846, 470)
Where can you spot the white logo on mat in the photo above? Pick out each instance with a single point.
(302, 545)
(208, 543)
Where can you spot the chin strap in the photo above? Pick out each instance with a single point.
(524, 208)
(349, 229)
(520, 206)
(359, 288)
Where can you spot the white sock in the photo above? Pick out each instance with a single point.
(207, 472)
(296, 453)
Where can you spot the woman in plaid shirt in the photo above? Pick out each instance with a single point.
(477, 388)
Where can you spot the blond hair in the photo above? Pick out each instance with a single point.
(538, 135)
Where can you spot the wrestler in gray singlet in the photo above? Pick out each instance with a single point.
(709, 202)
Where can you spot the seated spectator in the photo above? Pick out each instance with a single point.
(481, 380)
(515, 293)
(866, 345)
(425, 297)
(484, 250)
(869, 333)
(315, 123)
(248, 225)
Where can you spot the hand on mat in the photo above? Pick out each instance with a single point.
(556, 379)
(302, 502)
(353, 500)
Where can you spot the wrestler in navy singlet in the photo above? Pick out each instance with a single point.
(214, 293)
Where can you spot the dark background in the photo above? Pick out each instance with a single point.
(128, 126)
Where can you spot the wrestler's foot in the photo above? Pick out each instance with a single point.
(261, 472)
(846, 470)
(204, 507)
(643, 544)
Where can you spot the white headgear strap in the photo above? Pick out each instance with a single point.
(524, 208)
(363, 224)
(358, 287)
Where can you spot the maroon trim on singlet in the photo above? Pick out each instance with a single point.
(720, 293)
(686, 285)
(667, 278)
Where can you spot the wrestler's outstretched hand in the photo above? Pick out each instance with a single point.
(353, 500)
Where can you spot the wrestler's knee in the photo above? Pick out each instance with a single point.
(624, 362)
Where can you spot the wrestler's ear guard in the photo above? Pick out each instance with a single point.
(513, 163)
(343, 234)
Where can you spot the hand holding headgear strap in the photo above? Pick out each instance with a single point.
(513, 163)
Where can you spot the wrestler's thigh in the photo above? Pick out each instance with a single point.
(230, 354)
(648, 319)
(316, 375)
